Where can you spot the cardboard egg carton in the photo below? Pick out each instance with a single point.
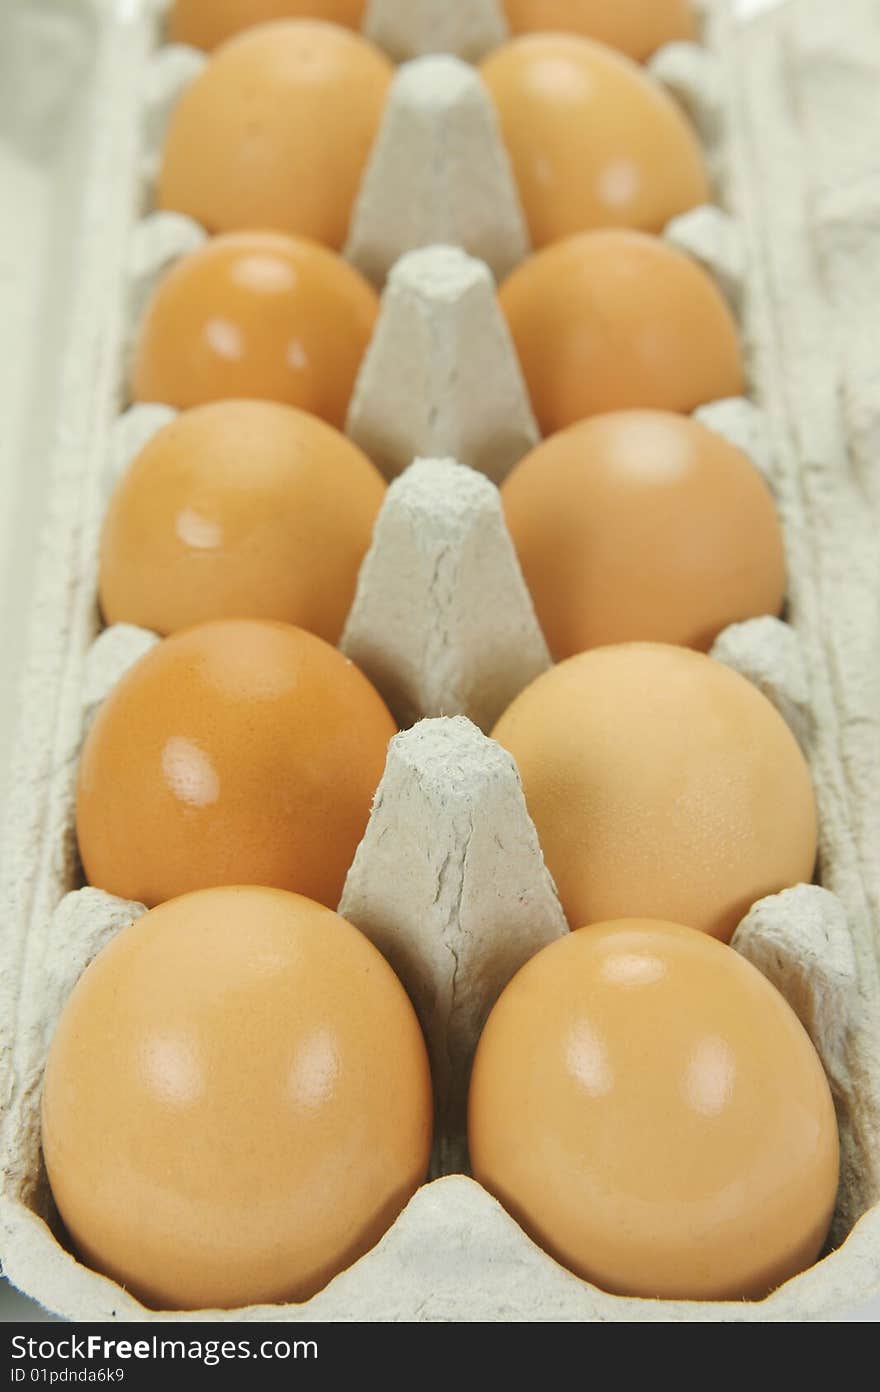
(449, 880)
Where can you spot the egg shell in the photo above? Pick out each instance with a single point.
(239, 509)
(236, 752)
(264, 1112)
(255, 314)
(662, 784)
(276, 131)
(635, 27)
(594, 140)
(616, 319)
(207, 23)
(652, 1111)
(643, 525)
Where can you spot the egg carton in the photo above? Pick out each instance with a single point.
(449, 880)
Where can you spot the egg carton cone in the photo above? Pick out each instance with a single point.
(441, 375)
(450, 884)
(783, 105)
(467, 30)
(442, 621)
(438, 172)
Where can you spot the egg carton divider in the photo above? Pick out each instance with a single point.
(442, 621)
(441, 376)
(450, 884)
(438, 172)
(454, 1254)
(422, 27)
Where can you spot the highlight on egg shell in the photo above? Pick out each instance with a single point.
(237, 1102)
(207, 23)
(256, 315)
(643, 525)
(614, 320)
(662, 785)
(239, 509)
(276, 131)
(650, 1109)
(593, 139)
(635, 27)
(238, 752)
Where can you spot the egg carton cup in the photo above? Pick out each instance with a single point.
(449, 880)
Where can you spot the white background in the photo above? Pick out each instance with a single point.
(33, 269)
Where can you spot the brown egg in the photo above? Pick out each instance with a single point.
(237, 1102)
(662, 785)
(256, 314)
(239, 509)
(207, 23)
(276, 131)
(636, 27)
(611, 320)
(594, 141)
(643, 524)
(238, 752)
(652, 1112)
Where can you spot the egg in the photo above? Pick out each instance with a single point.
(643, 524)
(653, 1113)
(662, 785)
(594, 141)
(207, 23)
(237, 752)
(256, 314)
(276, 131)
(616, 319)
(636, 27)
(237, 1102)
(239, 509)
